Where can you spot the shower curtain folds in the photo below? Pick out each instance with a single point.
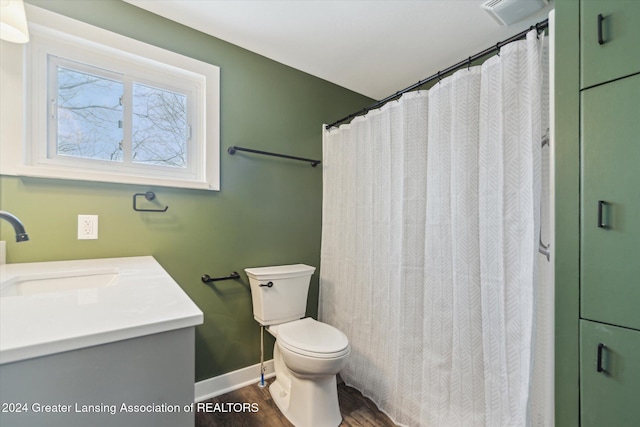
(431, 219)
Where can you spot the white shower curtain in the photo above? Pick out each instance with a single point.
(430, 231)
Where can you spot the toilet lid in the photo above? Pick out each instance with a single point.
(310, 336)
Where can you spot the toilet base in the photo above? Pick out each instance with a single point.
(305, 402)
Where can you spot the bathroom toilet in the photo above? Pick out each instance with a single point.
(307, 355)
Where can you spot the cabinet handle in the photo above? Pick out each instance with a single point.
(600, 38)
(599, 367)
(601, 205)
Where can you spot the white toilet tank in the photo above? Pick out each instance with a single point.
(283, 296)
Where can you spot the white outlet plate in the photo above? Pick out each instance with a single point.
(87, 227)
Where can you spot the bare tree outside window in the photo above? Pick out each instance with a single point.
(90, 118)
(160, 129)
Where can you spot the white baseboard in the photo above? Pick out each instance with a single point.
(212, 387)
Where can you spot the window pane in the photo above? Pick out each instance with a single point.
(89, 115)
(160, 130)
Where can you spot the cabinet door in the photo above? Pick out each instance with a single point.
(619, 54)
(610, 203)
(609, 375)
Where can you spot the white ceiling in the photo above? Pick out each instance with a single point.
(372, 47)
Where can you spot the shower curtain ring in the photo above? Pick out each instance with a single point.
(498, 48)
(439, 78)
(469, 65)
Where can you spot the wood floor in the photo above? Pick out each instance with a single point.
(357, 410)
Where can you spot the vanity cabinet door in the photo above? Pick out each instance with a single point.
(619, 31)
(610, 243)
(609, 375)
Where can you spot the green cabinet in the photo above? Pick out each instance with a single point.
(610, 205)
(609, 40)
(609, 375)
(597, 187)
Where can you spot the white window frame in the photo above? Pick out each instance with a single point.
(74, 41)
(48, 155)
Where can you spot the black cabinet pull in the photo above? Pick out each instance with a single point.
(599, 367)
(600, 38)
(601, 205)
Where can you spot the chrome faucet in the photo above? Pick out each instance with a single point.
(21, 235)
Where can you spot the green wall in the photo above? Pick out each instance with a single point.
(567, 200)
(268, 211)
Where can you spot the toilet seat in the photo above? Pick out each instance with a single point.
(311, 338)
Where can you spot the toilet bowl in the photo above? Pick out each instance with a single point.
(307, 354)
(311, 348)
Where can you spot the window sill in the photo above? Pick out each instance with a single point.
(50, 172)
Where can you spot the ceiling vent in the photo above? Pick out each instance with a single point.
(507, 12)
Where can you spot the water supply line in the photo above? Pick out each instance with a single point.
(262, 384)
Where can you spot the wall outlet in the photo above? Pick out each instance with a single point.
(87, 227)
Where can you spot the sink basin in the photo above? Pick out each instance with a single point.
(53, 307)
(39, 283)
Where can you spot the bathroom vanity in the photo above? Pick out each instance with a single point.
(105, 342)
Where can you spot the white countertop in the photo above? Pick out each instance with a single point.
(142, 300)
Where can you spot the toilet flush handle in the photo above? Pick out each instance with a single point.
(268, 285)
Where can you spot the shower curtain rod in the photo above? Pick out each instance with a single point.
(540, 26)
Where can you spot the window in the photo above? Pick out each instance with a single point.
(119, 111)
(96, 114)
